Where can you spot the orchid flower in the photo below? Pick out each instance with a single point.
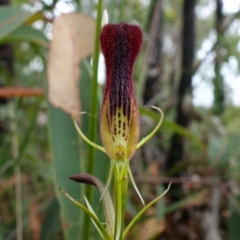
(119, 128)
(119, 121)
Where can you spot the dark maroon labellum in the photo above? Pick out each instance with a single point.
(120, 45)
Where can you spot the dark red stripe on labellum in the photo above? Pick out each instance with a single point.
(120, 44)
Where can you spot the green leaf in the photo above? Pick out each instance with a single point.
(233, 222)
(51, 223)
(105, 196)
(27, 33)
(91, 210)
(66, 162)
(10, 19)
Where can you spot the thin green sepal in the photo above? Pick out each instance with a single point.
(83, 136)
(144, 140)
(143, 211)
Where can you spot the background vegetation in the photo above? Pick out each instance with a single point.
(187, 43)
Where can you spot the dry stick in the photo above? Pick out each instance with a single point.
(180, 180)
(8, 92)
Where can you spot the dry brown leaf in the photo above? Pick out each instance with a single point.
(73, 40)
(35, 221)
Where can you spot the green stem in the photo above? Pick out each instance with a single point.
(93, 112)
(121, 185)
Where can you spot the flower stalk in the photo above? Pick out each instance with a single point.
(121, 186)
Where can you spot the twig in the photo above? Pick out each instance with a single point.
(8, 92)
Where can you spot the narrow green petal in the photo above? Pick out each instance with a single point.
(144, 210)
(83, 136)
(144, 140)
